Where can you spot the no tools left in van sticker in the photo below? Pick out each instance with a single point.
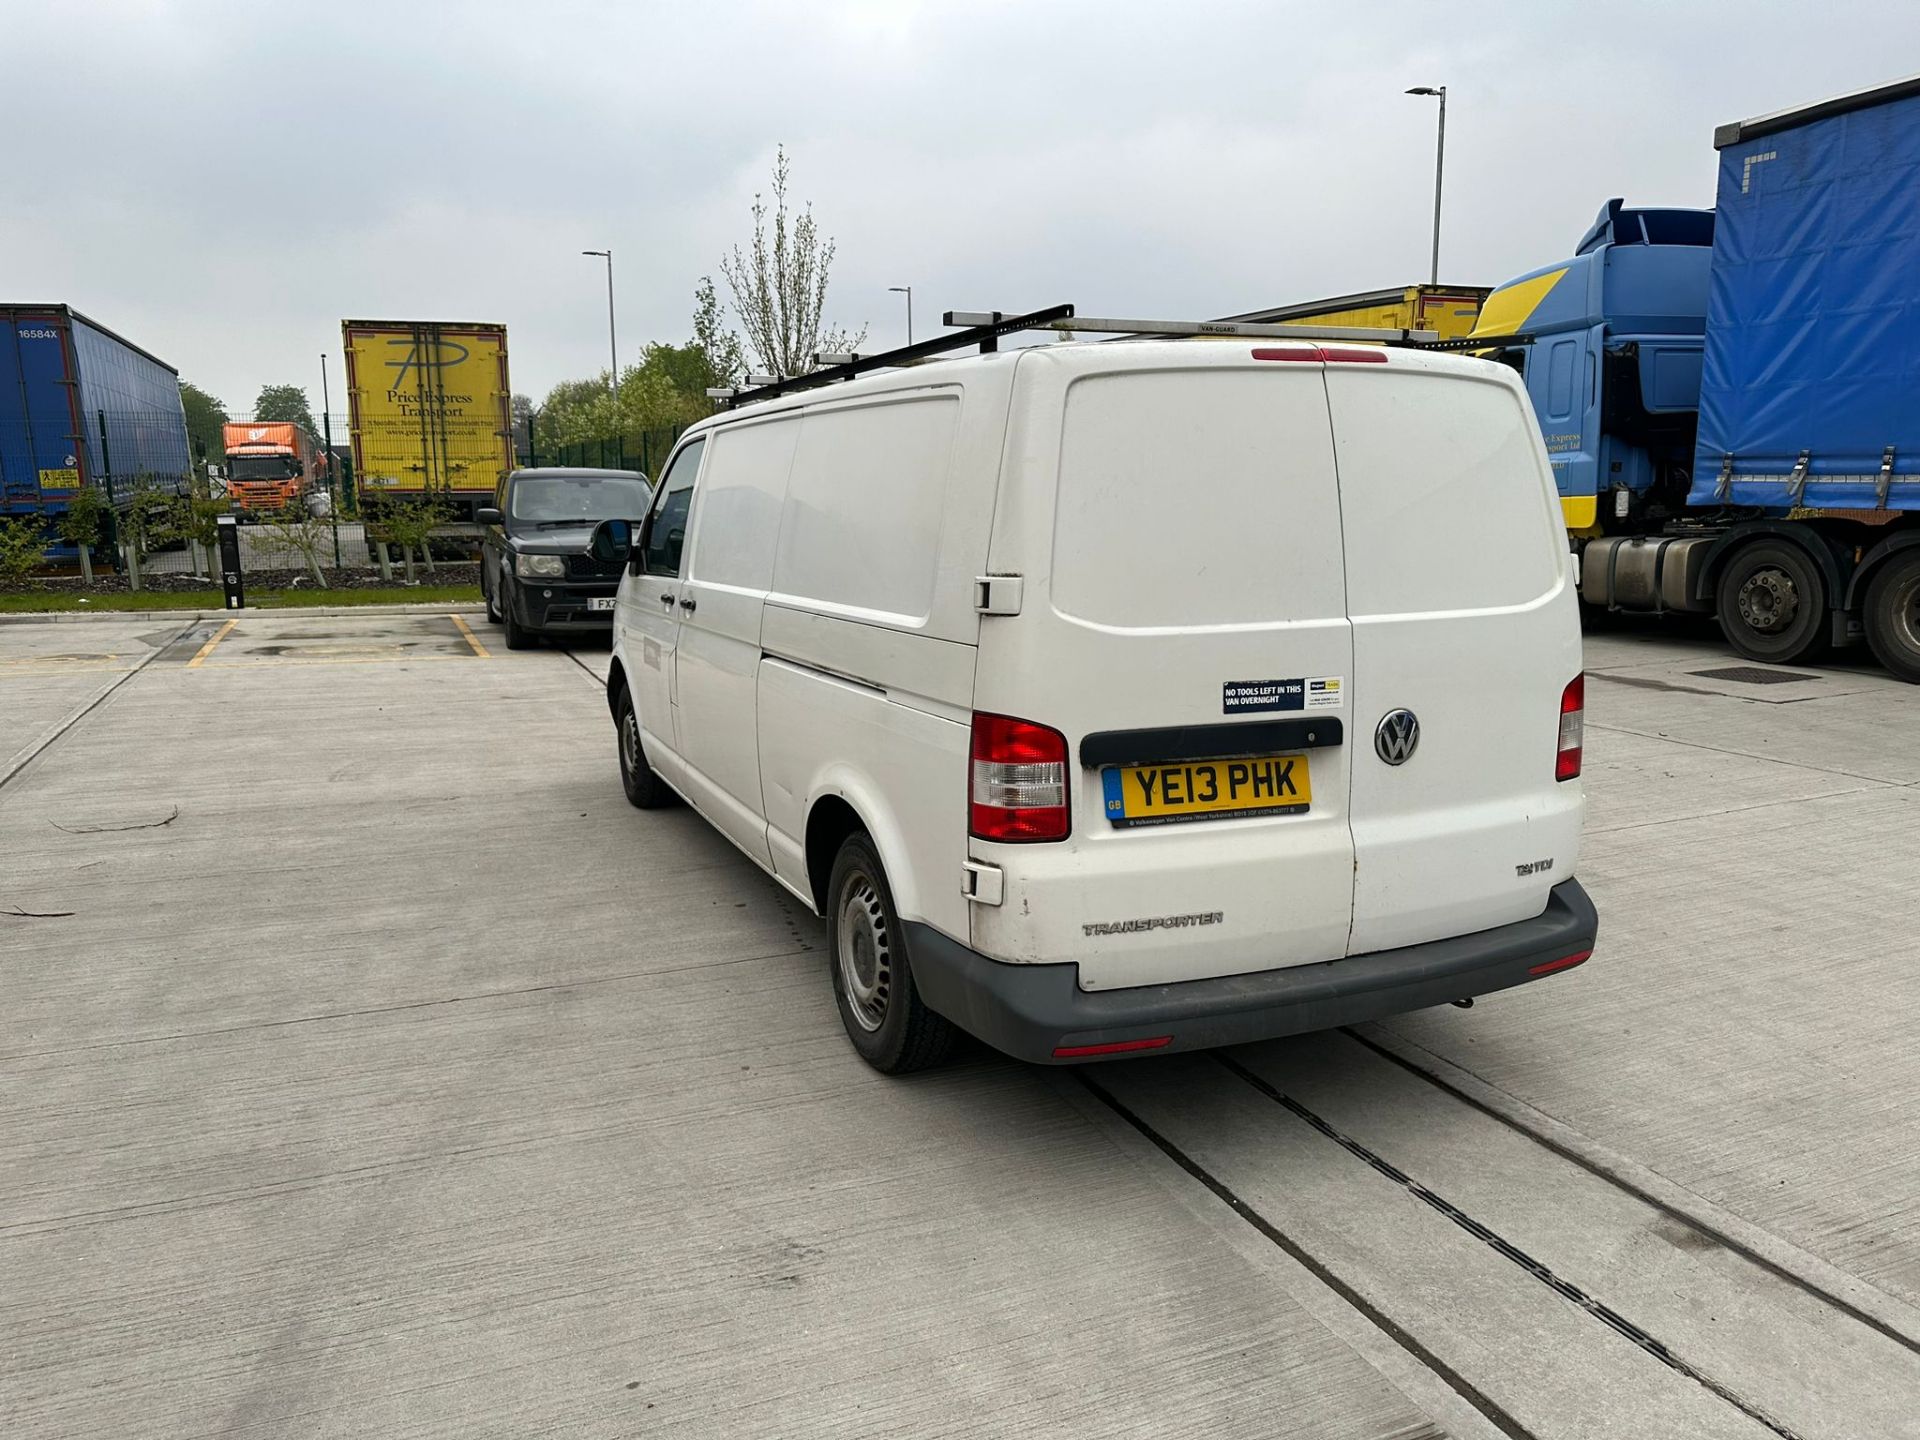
(1312, 692)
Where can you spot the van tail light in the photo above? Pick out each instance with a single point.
(1573, 729)
(1019, 780)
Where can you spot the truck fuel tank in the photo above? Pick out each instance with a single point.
(1645, 572)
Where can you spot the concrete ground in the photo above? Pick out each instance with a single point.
(369, 1067)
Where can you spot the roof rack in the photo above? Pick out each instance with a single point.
(1257, 330)
(985, 327)
(982, 330)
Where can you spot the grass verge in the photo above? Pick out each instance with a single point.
(35, 601)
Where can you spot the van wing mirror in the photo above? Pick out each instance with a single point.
(487, 515)
(612, 542)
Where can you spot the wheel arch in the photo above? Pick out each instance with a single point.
(1870, 563)
(1817, 547)
(616, 682)
(845, 801)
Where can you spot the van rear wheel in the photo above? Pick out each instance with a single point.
(879, 1004)
(1772, 604)
(1893, 615)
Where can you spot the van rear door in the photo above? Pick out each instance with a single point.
(1173, 513)
(1463, 612)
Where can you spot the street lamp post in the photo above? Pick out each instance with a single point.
(613, 348)
(906, 290)
(1439, 167)
(333, 481)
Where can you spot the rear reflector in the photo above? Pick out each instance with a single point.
(1573, 729)
(1565, 962)
(1019, 781)
(1117, 1047)
(1337, 354)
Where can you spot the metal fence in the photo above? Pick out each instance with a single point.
(645, 451)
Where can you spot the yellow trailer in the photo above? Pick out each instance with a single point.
(1448, 310)
(430, 410)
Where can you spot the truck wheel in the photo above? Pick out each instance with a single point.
(1772, 604)
(1893, 615)
(873, 985)
(645, 789)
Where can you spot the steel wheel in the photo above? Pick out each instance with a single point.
(865, 952)
(1772, 603)
(1893, 615)
(632, 760)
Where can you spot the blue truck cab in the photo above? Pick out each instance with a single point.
(1615, 337)
(1726, 396)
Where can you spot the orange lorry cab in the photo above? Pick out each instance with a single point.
(271, 464)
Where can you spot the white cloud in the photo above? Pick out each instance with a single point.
(224, 181)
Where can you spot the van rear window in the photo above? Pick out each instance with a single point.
(1197, 497)
(1445, 493)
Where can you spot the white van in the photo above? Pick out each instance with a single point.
(1118, 698)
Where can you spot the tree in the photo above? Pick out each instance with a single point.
(206, 421)
(522, 412)
(82, 523)
(719, 347)
(410, 525)
(298, 529)
(577, 411)
(23, 545)
(780, 286)
(286, 403)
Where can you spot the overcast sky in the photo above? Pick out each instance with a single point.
(223, 181)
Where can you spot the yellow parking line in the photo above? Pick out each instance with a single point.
(472, 639)
(207, 649)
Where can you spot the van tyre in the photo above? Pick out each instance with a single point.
(1893, 615)
(645, 789)
(880, 1006)
(1772, 604)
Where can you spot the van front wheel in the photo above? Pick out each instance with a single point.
(645, 789)
(873, 985)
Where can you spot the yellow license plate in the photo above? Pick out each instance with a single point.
(1206, 790)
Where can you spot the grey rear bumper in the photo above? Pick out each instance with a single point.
(1031, 1011)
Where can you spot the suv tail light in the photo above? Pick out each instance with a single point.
(1019, 780)
(1573, 728)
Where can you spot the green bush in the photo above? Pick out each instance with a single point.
(23, 546)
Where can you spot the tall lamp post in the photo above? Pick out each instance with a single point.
(906, 290)
(333, 480)
(613, 348)
(1439, 167)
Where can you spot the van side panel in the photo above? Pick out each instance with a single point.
(903, 770)
(868, 635)
(736, 510)
(1463, 608)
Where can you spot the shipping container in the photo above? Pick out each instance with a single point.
(81, 406)
(430, 412)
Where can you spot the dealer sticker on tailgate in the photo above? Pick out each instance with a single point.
(1206, 790)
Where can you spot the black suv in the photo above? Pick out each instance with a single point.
(535, 570)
